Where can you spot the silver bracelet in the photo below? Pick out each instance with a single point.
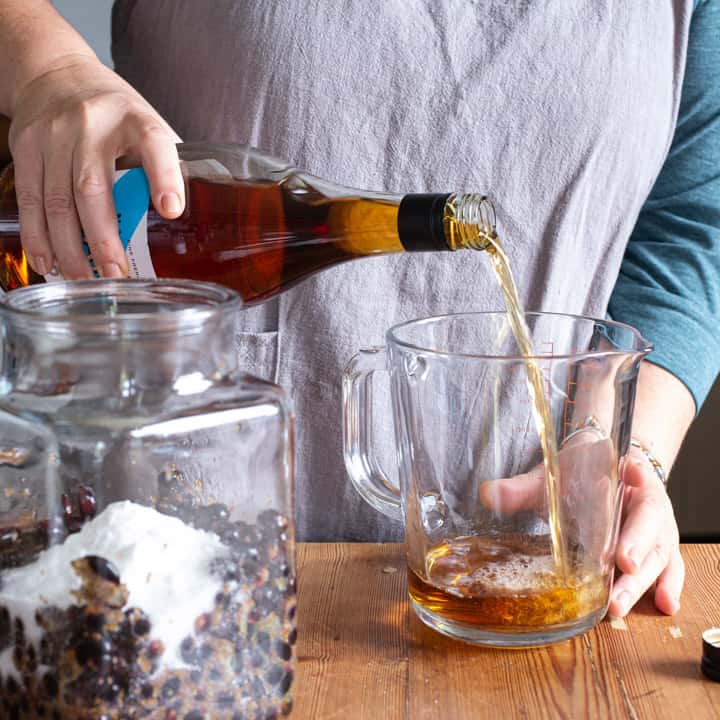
(656, 464)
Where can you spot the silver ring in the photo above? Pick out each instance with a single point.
(590, 423)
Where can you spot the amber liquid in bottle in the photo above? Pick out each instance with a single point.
(259, 238)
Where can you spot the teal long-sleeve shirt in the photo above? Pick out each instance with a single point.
(669, 282)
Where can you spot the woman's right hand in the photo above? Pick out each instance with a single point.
(70, 124)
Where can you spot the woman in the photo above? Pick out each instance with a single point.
(567, 115)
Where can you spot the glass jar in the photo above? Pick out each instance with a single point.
(146, 533)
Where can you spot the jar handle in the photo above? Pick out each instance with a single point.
(366, 475)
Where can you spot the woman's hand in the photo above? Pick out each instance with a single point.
(648, 548)
(587, 486)
(70, 123)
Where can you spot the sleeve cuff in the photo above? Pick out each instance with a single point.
(686, 344)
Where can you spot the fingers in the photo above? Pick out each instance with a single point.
(648, 546)
(510, 495)
(670, 584)
(646, 516)
(647, 512)
(92, 181)
(160, 159)
(585, 467)
(630, 587)
(62, 220)
(68, 129)
(29, 192)
(68, 189)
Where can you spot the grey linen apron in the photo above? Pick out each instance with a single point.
(562, 111)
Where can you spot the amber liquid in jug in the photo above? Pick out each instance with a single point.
(503, 582)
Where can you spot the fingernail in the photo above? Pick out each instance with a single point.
(171, 203)
(111, 270)
(40, 265)
(624, 599)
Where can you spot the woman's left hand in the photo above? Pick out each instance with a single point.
(648, 548)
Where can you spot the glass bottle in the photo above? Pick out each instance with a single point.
(146, 508)
(259, 226)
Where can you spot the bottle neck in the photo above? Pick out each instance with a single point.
(436, 222)
(421, 222)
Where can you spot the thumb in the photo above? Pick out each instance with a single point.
(520, 492)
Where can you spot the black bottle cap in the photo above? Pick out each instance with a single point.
(711, 653)
(420, 222)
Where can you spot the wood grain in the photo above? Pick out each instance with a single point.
(362, 653)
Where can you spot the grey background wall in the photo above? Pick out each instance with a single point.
(92, 19)
(695, 481)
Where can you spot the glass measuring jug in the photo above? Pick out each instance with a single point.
(472, 490)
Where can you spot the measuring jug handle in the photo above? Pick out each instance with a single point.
(366, 475)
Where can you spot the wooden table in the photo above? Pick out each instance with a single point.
(362, 653)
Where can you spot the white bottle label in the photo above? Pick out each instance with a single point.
(131, 194)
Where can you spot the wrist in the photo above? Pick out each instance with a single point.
(664, 410)
(44, 68)
(34, 40)
(644, 454)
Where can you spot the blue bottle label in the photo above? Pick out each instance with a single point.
(131, 194)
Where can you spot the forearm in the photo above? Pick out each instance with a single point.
(664, 409)
(33, 39)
